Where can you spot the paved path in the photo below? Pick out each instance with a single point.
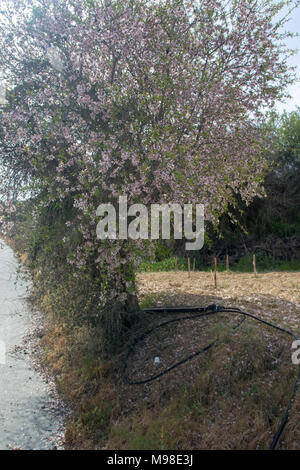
(27, 418)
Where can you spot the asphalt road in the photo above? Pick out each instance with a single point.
(27, 417)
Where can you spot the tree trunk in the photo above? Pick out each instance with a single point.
(118, 318)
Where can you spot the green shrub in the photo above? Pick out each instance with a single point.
(164, 265)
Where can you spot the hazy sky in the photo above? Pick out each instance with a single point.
(293, 26)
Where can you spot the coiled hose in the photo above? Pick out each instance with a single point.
(199, 312)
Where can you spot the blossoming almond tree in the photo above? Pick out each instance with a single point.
(157, 100)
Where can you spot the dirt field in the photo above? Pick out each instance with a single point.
(273, 296)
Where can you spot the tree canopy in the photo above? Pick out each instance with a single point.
(157, 100)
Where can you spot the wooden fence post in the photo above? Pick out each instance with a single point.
(227, 263)
(215, 274)
(254, 265)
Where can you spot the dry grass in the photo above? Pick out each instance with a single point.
(83, 380)
(232, 397)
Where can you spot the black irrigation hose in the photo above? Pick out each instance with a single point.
(200, 312)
